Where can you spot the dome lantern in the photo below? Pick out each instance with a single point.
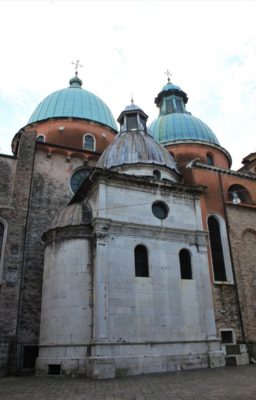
(175, 123)
(132, 118)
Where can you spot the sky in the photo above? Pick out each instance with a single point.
(125, 47)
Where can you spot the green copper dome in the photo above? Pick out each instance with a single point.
(178, 127)
(74, 102)
(174, 123)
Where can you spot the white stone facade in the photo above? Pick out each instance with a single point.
(136, 324)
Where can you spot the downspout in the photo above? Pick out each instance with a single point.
(231, 257)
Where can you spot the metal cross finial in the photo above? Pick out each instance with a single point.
(167, 72)
(77, 65)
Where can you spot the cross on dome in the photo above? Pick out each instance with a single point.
(77, 65)
(168, 74)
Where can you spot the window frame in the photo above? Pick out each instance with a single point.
(233, 336)
(245, 198)
(40, 136)
(190, 266)
(209, 157)
(225, 250)
(76, 172)
(147, 258)
(94, 142)
(2, 250)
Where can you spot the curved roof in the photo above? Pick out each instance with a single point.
(74, 102)
(73, 214)
(171, 86)
(134, 147)
(181, 127)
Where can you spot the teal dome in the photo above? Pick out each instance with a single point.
(74, 102)
(174, 123)
(171, 86)
(181, 127)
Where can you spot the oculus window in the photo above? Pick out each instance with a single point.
(160, 209)
(77, 178)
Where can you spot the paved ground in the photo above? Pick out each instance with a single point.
(202, 384)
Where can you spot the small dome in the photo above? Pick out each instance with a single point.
(181, 127)
(73, 214)
(171, 86)
(74, 102)
(175, 123)
(135, 147)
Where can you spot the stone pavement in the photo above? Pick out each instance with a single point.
(201, 384)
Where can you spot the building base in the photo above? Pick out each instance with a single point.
(114, 360)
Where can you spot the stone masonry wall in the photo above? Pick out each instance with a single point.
(50, 194)
(16, 179)
(242, 222)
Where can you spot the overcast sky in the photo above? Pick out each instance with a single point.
(125, 47)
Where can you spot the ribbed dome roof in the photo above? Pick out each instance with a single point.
(174, 123)
(181, 127)
(134, 147)
(74, 102)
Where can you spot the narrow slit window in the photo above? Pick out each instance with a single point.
(141, 261)
(1, 238)
(185, 264)
(216, 250)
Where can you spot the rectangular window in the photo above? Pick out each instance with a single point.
(54, 369)
(131, 122)
(169, 106)
(227, 336)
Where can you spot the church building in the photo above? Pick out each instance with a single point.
(124, 249)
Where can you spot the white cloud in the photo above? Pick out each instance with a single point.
(125, 46)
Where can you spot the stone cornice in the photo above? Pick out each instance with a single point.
(119, 179)
(197, 165)
(102, 228)
(67, 233)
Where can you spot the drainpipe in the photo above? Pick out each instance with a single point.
(232, 259)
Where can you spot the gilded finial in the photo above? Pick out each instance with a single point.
(168, 74)
(77, 65)
(132, 98)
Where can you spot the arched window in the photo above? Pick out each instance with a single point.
(141, 261)
(89, 142)
(157, 174)
(239, 192)
(185, 264)
(216, 250)
(209, 159)
(40, 138)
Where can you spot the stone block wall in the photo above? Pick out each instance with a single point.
(242, 223)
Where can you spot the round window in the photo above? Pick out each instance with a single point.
(77, 178)
(160, 209)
